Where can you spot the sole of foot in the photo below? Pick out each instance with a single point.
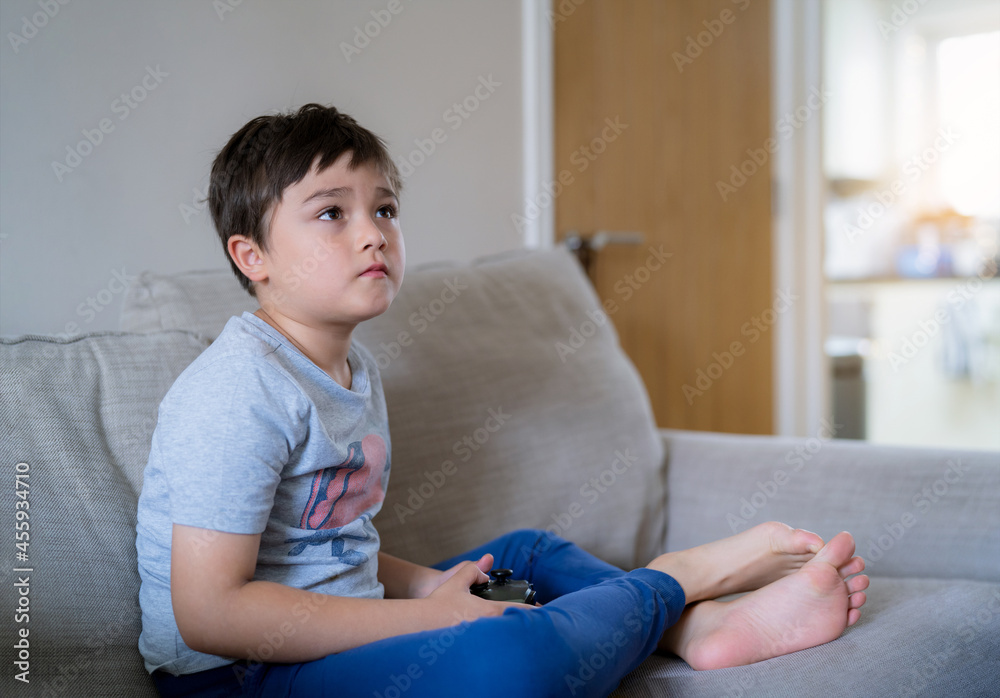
(809, 607)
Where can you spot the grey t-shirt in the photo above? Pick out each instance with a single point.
(253, 437)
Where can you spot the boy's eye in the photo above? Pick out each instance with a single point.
(331, 214)
(387, 211)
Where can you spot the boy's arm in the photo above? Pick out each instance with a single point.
(221, 610)
(407, 580)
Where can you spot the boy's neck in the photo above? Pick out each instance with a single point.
(326, 348)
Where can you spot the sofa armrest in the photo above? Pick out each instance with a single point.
(913, 512)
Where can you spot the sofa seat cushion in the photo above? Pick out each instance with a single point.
(80, 413)
(510, 404)
(916, 637)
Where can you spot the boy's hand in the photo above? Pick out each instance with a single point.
(453, 597)
(484, 564)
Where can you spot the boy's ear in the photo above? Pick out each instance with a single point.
(246, 254)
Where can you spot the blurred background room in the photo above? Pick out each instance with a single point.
(789, 207)
(911, 153)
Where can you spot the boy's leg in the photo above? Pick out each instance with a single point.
(581, 644)
(584, 642)
(746, 561)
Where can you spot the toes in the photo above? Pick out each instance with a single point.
(856, 600)
(853, 616)
(853, 566)
(807, 541)
(856, 584)
(788, 540)
(838, 552)
(776, 534)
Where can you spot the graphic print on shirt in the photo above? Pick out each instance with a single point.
(339, 495)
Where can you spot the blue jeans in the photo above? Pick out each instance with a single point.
(597, 624)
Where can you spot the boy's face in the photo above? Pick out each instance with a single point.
(335, 250)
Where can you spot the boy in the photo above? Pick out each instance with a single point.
(271, 457)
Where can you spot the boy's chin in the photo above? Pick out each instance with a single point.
(372, 311)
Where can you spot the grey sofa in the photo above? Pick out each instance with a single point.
(494, 426)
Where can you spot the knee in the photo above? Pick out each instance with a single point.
(538, 538)
(530, 641)
(531, 543)
(554, 663)
(524, 548)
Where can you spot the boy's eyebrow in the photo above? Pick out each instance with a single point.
(337, 192)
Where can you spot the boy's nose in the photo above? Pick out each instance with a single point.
(372, 236)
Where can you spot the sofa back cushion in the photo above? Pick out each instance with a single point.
(79, 414)
(510, 404)
(200, 301)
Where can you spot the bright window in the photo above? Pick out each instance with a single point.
(969, 104)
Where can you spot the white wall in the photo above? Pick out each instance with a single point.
(122, 207)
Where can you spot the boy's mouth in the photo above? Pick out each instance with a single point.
(376, 271)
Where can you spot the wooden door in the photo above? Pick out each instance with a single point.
(662, 121)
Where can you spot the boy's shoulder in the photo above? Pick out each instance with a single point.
(241, 353)
(251, 358)
(239, 339)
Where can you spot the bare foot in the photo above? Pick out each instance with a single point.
(808, 608)
(744, 562)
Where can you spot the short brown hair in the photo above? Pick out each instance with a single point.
(273, 152)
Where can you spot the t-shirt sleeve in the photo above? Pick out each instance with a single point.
(223, 437)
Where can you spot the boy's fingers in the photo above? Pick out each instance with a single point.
(485, 563)
(469, 573)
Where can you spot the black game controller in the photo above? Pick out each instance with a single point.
(502, 588)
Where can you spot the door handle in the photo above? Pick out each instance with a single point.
(586, 246)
